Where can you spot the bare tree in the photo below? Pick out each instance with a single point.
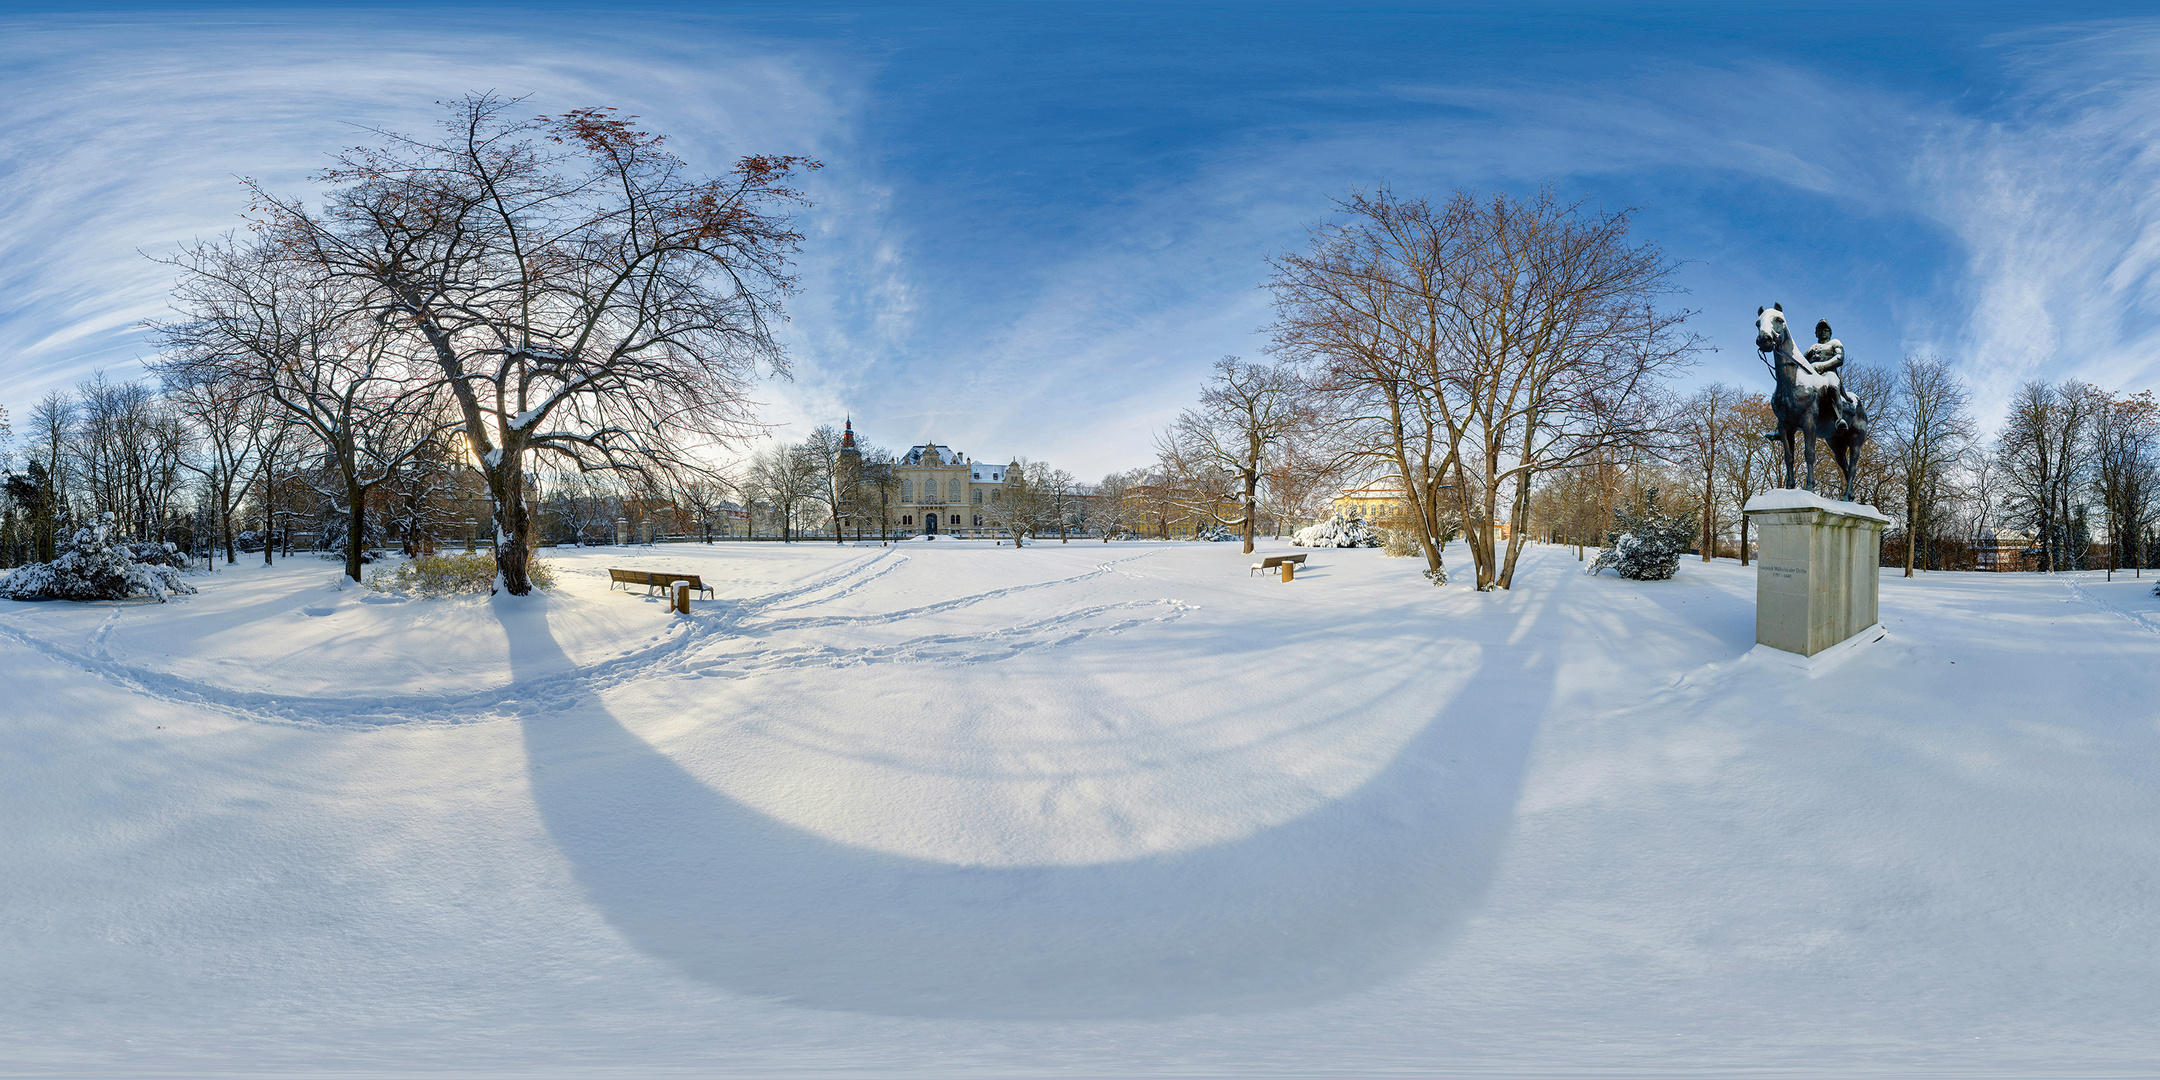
(225, 412)
(1746, 463)
(1025, 505)
(1361, 309)
(125, 455)
(1556, 349)
(2041, 452)
(1486, 342)
(1246, 411)
(576, 290)
(252, 316)
(784, 478)
(1704, 428)
(1924, 430)
(830, 484)
(1111, 511)
(2126, 471)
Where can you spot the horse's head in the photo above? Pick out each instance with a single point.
(1770, 327)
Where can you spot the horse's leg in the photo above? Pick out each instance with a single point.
(1785, 438)
(1810, 433)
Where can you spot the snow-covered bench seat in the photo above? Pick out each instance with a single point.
(654, 579)
(1273, 561)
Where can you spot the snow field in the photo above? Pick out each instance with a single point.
(948, 807)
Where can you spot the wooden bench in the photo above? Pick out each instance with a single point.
(654, 579)
(1273, 561)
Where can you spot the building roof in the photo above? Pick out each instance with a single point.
(986, 474)
(1378, 489)
(945, 455)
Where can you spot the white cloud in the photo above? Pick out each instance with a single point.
(2058, 205)
(125, 135)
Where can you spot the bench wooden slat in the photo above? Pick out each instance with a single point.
(655, 579)
(1273, 561)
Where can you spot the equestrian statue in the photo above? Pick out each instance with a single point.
(1809, 397)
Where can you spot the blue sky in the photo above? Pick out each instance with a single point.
(1039, 223)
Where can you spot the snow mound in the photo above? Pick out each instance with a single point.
(1339, 532)
(95, 566)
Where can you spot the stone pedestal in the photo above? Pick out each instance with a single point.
(1815, 575)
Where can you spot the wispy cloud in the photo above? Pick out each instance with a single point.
(125, 137)
(2016, 234)
(2056, 202)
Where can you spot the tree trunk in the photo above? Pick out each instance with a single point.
(355, 526)
(225, 509)
(1912, 525)
(1252, 482)
(1518, 521)
(506, 484)
(269, 514)
(1709, 527)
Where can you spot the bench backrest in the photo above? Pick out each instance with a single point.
(648, 577)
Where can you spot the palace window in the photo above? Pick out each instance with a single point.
(993, 495)
(956, 519)
(907, 491)
(978, 521)
(952, 494)
(978, 496)
(907, 519)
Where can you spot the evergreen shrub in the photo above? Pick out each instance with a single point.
(1646, 540)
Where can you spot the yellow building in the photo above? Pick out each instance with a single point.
(1376, 501)
(945, 491)
(1382, 501)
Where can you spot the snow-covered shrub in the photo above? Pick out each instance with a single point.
(1215, 533)
(1397, 543)
(1340, 532)
(445, 575)
(150, 552)
(93, 565)
(1646, 542)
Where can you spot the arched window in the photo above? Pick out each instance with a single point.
(952, 494)
(907, 519)
(907, 491)
(993, 494)
(978, 521)
(976, 496)
(956, 519)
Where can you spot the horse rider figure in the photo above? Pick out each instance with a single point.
(1826, 356)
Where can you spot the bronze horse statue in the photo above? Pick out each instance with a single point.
(1809, 398)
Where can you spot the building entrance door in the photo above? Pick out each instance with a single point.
(929, 524)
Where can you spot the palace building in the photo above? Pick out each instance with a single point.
(938, 490)
(944, 491)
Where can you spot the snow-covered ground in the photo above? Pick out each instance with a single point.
(1083, 809)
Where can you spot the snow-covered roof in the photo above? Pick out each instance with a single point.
(987, 474)
(945, 454)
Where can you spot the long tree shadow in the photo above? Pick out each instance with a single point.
(1342, 898)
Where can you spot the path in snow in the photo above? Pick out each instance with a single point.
(1116, 808)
